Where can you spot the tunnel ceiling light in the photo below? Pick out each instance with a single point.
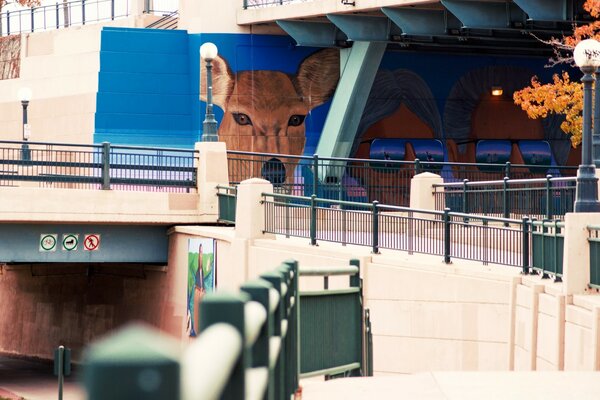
(497, 91)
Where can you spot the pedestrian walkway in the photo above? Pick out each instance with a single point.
(460, 386)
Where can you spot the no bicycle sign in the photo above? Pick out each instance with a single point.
(48, 242)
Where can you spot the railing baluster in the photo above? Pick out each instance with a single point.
(447, 235)
(375, 228)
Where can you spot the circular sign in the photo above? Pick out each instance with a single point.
(48, 242)
(91, 242)
(69, 242)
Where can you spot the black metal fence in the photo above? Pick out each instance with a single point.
(365, 180)
(545, 198)
(104, 166)
(74, 13)
(269, 3)
(447, 234)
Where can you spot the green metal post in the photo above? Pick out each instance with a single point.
(548, 197)
(258, 290)
(369, 354)
(61, 371)
(525, 223)
(293, 350)
(315, 175)
(417, 166)
(245, 4)
(229, 308)
(105, 166)
(505, 202)
(375, 217)
(507, 170)
(465, 205)
(447, 235)
(313, 220)
(276, 278)
(355, 281)
(137, 362)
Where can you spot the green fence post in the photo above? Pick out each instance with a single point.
(505, 202)
(465, 205)
(549, 197)
(507, 169)
(313, 220)
(417, 166)
(229, 308)
(258, 290)
(525, 223)
(293, 348)
(447, 235)
(315, 175)
(275, 278)
(375, 228)
(369, 345)
(136, 362)
(355, 281)
(105, 165)
(245, 4)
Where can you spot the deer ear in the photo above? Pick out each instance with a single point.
(318, 76)
(222, 81)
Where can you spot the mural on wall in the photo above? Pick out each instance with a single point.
(201, 277)
(10, 57)
(264, 111)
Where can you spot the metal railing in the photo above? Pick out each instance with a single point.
(59, 15)
(168, 21)
(594, 242)
(321, 352)
(447, 234)
(269, 3)
(366, 180)
(544, 198)
(547, 248)
(104, 166)
(227, 203)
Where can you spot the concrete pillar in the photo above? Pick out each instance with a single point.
(138, 7)
(421, 190)
(212, 171)
(249, 212)
(576, 259)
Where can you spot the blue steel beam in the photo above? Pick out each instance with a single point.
(418, 21)
(21, 243)
(314, 34)
(485, 15)
(350, 98)
(360, 28)
(544, 10)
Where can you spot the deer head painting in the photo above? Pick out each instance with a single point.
(265, 111)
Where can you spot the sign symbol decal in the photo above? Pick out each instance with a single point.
(70, 241)
(91, 242)
(48, 242)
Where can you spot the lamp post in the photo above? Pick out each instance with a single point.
(596, 134)
(587, 58)
(208, 52)
(24, 95)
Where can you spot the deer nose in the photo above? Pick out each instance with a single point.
(273, 170)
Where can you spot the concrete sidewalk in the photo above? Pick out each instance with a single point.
(460, 386)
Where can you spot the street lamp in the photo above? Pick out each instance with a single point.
(596, 134)
(587, 58)
(208, 52)
(24, 95)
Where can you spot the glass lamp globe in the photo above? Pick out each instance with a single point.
(587, 53)
(208, 51)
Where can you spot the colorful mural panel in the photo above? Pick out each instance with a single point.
(201, 277)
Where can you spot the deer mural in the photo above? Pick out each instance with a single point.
(264, 111)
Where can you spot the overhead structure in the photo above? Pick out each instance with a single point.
(509, 27)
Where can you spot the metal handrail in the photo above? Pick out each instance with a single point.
(507, 181)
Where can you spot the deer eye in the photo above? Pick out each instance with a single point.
(242, 119)
(296, 120)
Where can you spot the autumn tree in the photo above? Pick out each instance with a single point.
(562, 96)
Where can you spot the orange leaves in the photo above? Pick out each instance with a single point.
(562, 96)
